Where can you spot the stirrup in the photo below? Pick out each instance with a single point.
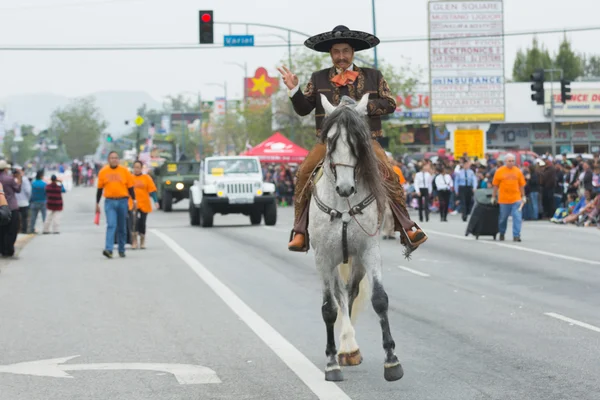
(306, 244)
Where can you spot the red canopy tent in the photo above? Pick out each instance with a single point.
(277, 148)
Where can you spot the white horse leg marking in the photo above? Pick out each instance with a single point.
(349, 353)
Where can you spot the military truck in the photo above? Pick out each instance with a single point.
(173, 180)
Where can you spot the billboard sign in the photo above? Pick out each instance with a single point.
(583, 103)
(466, 60)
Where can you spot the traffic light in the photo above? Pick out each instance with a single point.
(109, 138)
(538, 86)
(565, 90)
(206, 27)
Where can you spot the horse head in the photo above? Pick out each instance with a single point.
(339, 132)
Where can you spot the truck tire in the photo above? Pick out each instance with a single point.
(194, 214)
(271, 214)
(255, 217)
(206, 216)
(167, 201)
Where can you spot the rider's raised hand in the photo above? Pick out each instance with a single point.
(290, 80)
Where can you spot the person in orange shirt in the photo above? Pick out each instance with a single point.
(509, 192)
(116, 182)
(145, 189)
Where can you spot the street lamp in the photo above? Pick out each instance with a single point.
(245, 68)
(224, 86)
(183, 121)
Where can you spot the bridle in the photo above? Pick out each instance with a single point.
(346, 216)
(333, 166)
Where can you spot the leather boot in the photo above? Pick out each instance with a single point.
(142, 241)
(134, 242)
(299, 237)
(402, 222)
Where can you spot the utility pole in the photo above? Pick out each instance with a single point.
(374, 31)
(552, 102)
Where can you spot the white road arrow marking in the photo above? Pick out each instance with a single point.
(186, 374)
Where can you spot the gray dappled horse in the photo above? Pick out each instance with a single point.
(347, 203)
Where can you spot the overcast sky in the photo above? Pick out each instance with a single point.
(96, 22)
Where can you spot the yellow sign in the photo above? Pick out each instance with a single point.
(467, 117)
(260, 85)
(470, 141)
(217, 171)
(139, 121)
(171, 167)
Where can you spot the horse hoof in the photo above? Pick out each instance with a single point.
(350, 359)
(334, 375)
(393, 372)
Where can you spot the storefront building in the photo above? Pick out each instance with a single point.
(527, 125)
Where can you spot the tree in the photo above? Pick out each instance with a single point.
(591, 66)
(79, 126)
(25, 149)
(568, 61)
(529, 60)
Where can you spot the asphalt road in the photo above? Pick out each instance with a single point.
(472, 319)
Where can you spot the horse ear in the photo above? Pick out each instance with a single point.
(361, 107)
(326, 105)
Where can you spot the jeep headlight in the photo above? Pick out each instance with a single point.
(257, 185)
(179, 185)
(220, 186)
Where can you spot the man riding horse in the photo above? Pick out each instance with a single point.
(345, 79)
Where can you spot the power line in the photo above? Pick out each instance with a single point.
(183, 46)
(63, 5)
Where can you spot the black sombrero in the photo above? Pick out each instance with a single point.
(341, 34)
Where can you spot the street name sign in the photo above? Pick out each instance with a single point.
(186, 374)
(238, 40)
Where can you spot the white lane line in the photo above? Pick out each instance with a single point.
(313, 377)
(414, 271)
(573, 321)
(521, 248)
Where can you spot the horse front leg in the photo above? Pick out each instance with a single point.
(349, 351)
(329, 310)
(379, 299)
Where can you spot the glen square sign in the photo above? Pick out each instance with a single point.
(466, 60)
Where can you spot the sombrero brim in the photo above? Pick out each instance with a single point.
(357, 39)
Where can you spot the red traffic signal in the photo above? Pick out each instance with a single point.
(206, 27)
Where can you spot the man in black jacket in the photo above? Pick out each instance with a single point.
(345, 78)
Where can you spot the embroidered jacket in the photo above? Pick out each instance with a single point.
(381, 100)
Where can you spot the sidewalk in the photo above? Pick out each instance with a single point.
(22, 240)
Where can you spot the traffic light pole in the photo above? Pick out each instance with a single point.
(552, 102)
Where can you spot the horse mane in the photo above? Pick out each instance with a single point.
(359, 140)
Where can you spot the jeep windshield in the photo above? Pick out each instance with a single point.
(183, 168)
(233, 166)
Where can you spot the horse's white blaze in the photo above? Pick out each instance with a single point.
(345, 163)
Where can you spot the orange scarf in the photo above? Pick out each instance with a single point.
(344, 78)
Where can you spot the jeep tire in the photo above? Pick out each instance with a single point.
(167, 201)
(206, 216)
(256, 217)
(271, 213)
(194, 214)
